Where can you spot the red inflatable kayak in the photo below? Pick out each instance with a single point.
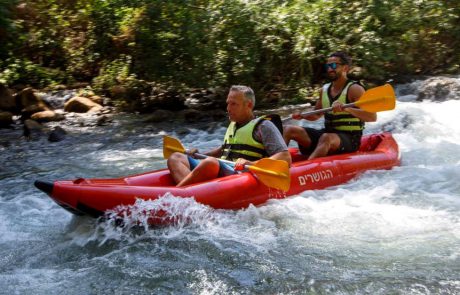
(95, 196)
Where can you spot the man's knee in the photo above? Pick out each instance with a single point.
(298, 134)
(209, 162)
(325, 137)
(176, 158)
(328, 137)
(331, 140)
(209, 165)
(288, 129)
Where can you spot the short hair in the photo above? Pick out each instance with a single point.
(247, 92)
(344, 57)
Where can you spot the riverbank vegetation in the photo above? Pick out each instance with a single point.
(120, 46)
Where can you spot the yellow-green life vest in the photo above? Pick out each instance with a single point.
(240, 142)
(340, 121)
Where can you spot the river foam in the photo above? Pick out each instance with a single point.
(386, 232)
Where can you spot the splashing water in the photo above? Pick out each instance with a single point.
(386, 232)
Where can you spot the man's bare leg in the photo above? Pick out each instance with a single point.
(178, 166)
(298, 134)
(206, 170)
(327, 144)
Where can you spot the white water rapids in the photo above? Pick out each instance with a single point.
(386, 232)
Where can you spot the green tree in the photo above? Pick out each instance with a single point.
(269, 44)
(6, 27)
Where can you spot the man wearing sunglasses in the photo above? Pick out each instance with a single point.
(343, 127)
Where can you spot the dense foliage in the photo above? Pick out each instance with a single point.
(269, 44)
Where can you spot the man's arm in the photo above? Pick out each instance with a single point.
(354, 93)
(216, 153)
(273, 141)
(284, 156)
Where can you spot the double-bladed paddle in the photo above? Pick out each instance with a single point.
(377, 99)
(272, 173)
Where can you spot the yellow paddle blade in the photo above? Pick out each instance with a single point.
(377, 99)
(272, 173)
(171, 145)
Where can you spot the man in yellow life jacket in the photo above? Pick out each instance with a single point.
(343, 127)
(247, 140)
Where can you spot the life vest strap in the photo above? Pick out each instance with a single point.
(245, 147)
(232, 156)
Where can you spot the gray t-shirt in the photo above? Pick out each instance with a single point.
(267, 133)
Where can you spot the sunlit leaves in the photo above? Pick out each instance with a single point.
(264, 43)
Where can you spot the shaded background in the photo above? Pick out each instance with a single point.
(271, 45)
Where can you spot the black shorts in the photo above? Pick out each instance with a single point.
(349, 141)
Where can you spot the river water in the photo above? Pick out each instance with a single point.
(386, 232)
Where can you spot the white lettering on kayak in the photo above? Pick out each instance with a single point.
(315, 177)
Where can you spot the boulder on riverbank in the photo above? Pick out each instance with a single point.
(7, 100)
(57, 134)
(439, 89)
(80, 104)
(206, 99)
(166, 106)
(159, 116)
(6, 119)
(47, 116)
(32, 129)
(26, 99)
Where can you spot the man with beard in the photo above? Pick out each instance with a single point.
(343, 127)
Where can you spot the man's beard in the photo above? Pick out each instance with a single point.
(333, 77)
